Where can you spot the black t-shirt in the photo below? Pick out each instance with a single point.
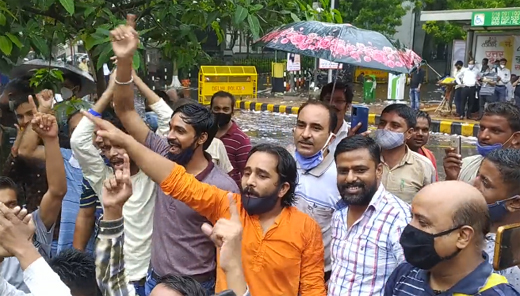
(416, 79)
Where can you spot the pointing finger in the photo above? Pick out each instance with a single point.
(126, 169)
(235, 216)
(130, 20)
(33, 105)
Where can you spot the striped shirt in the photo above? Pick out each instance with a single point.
(364, 256)
(238, 146)
(89, 199)
(407, 280)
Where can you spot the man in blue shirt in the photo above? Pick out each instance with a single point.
(444, 246)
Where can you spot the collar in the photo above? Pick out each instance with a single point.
(471, 284)
(319, 170)
(342, 130)
(231, 129)
(202, 175)
(407, 158)
(341, 204)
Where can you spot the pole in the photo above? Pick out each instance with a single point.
(332, 4)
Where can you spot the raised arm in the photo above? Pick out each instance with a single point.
(46, 127)
(124, 44)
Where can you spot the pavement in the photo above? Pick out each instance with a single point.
(448, 124)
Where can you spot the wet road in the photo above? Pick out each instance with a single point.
(277, 128)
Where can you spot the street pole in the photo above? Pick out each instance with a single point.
(332, 3)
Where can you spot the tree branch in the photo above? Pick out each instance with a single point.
(46, 13)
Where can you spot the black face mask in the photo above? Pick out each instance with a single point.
(222, 119)
(258, 205)
(185, 156)
(419, 247)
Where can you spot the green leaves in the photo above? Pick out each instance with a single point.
(240, 15)
(14, 40)
(254, 26)
(68, 5)
(6, 46)
(2, 19)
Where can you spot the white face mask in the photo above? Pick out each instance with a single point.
(471, 67)
(66, 93)
(327, 143)
(502, 66)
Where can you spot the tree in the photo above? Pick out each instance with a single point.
(449, 31)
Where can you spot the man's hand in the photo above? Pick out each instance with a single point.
(16, 228)
(125, 39)
(452, 164)
(106, 130)
(45, 100)
(227, 235)
(352, 131)
(44, 125)
(118, 189)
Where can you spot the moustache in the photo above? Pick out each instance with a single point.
(250, 191)
(116, 160)
(175, 143)
(305, 142)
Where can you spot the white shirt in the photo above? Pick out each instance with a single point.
(342, 134)
(216, 149)
(364, 256)
(106, 70)
(467, 77)
(137, 211)
(505, 76)
(41, 280)
(317, 195)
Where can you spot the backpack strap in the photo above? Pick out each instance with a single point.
(493, 280)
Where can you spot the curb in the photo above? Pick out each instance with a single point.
(437, 126)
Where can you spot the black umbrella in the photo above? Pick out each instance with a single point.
(88, 86)
(341, 43)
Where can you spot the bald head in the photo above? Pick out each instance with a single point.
(172, 93)
(453, 204)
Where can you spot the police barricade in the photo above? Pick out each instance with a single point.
(240, 81)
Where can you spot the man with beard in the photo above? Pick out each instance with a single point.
(404, 172)
(497, 180)
(444, 246)
(236, 141)
(178, 244)
(282, 248)
(499, 128)
(367, 223)
(420, 138)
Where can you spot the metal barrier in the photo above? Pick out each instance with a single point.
(240, 81)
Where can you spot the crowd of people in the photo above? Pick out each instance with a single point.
(111, 206)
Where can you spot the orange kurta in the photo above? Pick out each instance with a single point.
(287, 260)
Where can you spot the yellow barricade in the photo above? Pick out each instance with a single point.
(240, 81)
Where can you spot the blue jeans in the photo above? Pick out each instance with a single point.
(415, 98)
(139, 289)
(209, 285)
(501, 93)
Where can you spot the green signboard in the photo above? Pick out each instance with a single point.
(496, 18)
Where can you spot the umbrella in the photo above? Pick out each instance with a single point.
(341, 43)
(88, 85)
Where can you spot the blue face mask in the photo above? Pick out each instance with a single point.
(484, 150)
(308, 163)
(498, 210)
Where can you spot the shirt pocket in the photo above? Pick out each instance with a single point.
(370, 255)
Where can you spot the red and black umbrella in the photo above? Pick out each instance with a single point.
(341, 43)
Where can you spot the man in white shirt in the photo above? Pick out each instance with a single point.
(340, 100)
(316, 191)
(503, 79)
(468, 79)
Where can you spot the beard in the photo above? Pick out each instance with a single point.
(362, 197)
(184, 156)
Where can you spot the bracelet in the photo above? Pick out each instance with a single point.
(95, 113)
(124, 83)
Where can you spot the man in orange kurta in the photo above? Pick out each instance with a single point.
(282, 248)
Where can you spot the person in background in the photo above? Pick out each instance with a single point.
(111, 277)
(416, 80)
(484, 68)
(421, 137)
(488, 80)
(340, 100)
(516, 92)
(90, 211)
(503, 79)
(444, 246)
(83, 65)
(236, 141)
(499, 128)
(404, 172)
(458, 89)
(16, 88)
(468, 78)
(44, 218)
(497, 179)
(367, 224)
(316, 192)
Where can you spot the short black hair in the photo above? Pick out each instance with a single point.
(474, 215)
(507, 161)
(347, 91)
(74, 79)
(182, 284)
(223, 94)
(359, 142)
(503, 60)
(507, 110)
(422, 114)
(404, 111)
(20, 85)
(8, 183)
(77, 270)
(485, 60)
(459, 63)
(111, 117)
(286, 169)
(200, 118)
(22, 98)
(333, 118)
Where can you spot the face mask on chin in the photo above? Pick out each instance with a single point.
(257, 205)
(498, 210)
(308, 163)
(185, 156)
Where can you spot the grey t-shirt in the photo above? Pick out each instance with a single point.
(10, 269)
